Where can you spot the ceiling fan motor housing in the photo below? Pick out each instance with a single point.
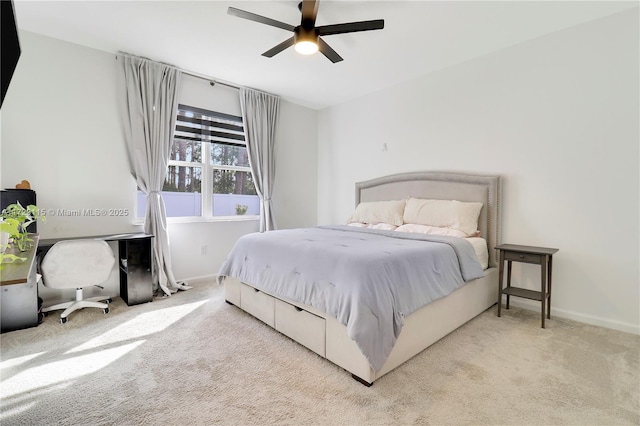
(305, 34)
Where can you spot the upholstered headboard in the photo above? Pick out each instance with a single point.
(444, 186)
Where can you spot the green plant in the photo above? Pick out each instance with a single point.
(9, 227)
(16, 219)
(9, 258)
(241, 209)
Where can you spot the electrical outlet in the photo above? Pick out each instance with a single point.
(203, 250)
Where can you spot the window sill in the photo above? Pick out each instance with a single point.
(198, 219)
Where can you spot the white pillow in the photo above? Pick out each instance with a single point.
(383, 226)
(443, 213)
(431, 230)
(390, 212)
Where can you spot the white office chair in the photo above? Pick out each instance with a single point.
(77, 264)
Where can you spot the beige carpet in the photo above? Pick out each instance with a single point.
(192, 359)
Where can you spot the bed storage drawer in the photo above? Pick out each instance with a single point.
(232, 291)
(302, 326)
(258, 304)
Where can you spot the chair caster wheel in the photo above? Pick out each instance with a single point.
(105, 310)
(109, 300)
(63, 320)
(45, 314)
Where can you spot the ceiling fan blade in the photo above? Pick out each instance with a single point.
(309, 11)
(259, 18)
(351, 27)
(279, 48)
(327, 51)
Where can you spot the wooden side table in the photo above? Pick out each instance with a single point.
(542, 256)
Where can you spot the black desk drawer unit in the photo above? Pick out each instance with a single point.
(135, 270)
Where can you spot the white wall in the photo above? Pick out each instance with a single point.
(557, 117)
(61, 131)
(295, 187)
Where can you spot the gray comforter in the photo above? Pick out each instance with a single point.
(369, 280)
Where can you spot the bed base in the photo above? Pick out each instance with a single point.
(361, 381)
(328, 338)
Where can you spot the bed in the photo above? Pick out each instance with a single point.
(326, 331)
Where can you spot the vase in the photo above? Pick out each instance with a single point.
(4, 241)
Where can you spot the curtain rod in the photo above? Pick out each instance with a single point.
(212, 81)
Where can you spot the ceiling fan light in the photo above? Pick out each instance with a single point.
(306, 47)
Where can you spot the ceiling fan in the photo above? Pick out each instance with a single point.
(306, 36)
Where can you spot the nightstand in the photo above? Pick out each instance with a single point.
(542, 256)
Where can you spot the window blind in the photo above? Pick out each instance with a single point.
(195, 124)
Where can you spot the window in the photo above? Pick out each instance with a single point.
(208, 173)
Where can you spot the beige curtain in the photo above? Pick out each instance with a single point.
(148, 104)
(260, 118)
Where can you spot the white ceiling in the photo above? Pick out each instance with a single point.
(199, 36)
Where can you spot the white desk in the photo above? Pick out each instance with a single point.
(19, 291)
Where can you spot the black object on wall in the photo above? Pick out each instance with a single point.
(23, 196)
(10, 45)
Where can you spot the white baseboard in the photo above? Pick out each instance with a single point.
(525, 304)
(576, 316)
(200, 278)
